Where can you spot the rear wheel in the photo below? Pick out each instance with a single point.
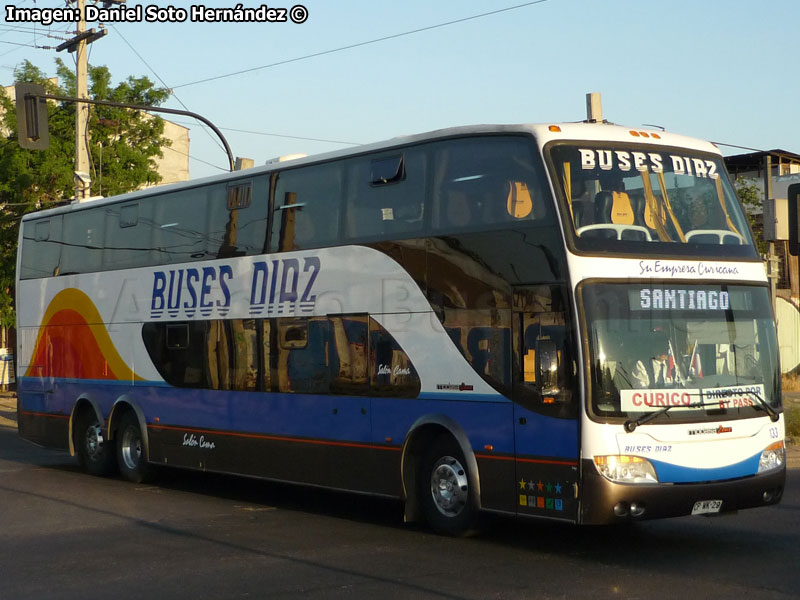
(131, 450)
(443, 488)
(95, 453)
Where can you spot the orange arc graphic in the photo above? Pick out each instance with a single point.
(74, 343)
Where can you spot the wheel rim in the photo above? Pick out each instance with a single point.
(131, 448)
(449, 486)
(94, 442)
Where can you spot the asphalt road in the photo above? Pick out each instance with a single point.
(64, 534)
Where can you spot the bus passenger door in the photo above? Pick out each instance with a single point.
(545, 398)
(321, 364)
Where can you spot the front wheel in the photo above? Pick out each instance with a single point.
(443, 489)
(131, 450)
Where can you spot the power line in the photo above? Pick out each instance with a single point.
(360, 44)
(225, 169)
(28, 45)
(279, 135)
(153, 71)
(216, 141)
(293, 137)
(739, 147)
(10, 51)
(32, 30)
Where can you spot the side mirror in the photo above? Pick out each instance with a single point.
(794, 219)
(547, 371)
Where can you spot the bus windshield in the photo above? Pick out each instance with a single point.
(708, 352)
(628, 197)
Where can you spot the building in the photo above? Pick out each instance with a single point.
(784, 170)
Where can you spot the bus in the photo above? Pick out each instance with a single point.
(562, 321)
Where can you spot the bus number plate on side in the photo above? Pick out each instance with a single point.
(705, 507)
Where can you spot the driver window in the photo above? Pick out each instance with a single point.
(544, 370)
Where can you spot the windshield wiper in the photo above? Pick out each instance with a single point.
(773, 416)
(632, 424)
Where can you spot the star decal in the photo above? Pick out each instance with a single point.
(558, 488)
(522, 484)
(540, 485)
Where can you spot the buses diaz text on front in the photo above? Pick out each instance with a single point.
(272, 287)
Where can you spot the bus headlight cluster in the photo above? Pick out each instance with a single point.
(626, 469)
(773, 457)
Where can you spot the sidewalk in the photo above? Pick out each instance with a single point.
(8, 409)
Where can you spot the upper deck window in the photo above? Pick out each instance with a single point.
(636, 199)
(306, 211)
(385, 195)
(487, 182)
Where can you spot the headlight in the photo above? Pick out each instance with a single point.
(773, 457)
(626, 469)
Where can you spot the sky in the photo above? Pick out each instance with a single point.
(722, 70)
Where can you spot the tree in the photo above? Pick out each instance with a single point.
(750, 197)
(124, 144)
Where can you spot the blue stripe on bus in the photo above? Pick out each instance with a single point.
(487, 420)
(34, 381)
(669, 473)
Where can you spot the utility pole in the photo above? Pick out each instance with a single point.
(83, 177)
(78, 45)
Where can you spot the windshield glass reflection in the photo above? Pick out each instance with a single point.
(704, 351)
(641, 194)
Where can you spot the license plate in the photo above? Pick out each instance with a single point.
(705, 507)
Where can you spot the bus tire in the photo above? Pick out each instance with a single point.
(131, 451)
(95, 453)
(443, 491)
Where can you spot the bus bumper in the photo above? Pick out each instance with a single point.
(605, 502)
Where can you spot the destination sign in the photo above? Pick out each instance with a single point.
(690, 298)
(649, 400)
(678, 298)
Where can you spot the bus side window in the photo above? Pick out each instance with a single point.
(83, 236)
(245, 367)
(238, 218)
(180, 225)
(307, 208)
(386, 195)
(303, 358)
(348, 354)
(391, 371)
(41, 248)
(484, 339)
(486, 181)
(544, 369)
(129, 244)
(176, 350)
